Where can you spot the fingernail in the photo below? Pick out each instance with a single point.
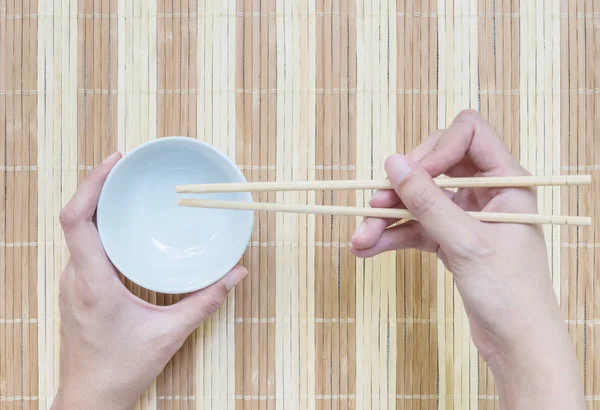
(360, 230)
(397, 167)
(235, 277)
(111, 157)
(377, 194)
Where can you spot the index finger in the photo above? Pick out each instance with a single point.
(471, 136)
(76, 218)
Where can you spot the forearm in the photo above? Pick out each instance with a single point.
(542, 375)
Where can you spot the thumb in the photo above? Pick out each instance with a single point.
(441, 218)
(196, 307)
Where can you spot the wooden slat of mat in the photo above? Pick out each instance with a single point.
(334, 270)
(294, 148)
(571, 157)
(42, 361)
(320, 226)
(30, 378)
(13, 117)
(7, 361)
(255, 311)
(257, 254)
(112, 81)
(82, 96)
(335, 159)
(593, 365)
(348, 262)
(588, 196)
(266, 152)
(286, 223)
(298, 141)
(19, 221)
(307, 287)
(6, 331)
(586, 142)
(272, 253)
(4, 345)
(323, 275)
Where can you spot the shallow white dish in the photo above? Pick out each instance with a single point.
(154, 242)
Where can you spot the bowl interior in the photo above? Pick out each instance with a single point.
(158, 244)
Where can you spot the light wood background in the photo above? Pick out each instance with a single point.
(295, 90)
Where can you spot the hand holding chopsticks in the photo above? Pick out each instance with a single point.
(474, 182)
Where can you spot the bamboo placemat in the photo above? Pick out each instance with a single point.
(294, 90)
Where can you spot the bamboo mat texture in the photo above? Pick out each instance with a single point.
(295, 90)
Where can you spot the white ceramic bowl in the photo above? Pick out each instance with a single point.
(156, 243)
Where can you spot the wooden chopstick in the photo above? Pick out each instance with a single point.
(475, 182)
(380, 212)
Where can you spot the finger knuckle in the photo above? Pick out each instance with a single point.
(468, 121)
(89, 295)
(63, 282)
(68, 217)
(62, 293)
(422, 201)
(213, 303)
(444, 157)
(66, 273)
(469, 116)
(74, 284)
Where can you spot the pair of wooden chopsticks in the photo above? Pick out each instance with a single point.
(476, 182)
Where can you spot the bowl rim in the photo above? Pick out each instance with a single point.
(215, 151)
